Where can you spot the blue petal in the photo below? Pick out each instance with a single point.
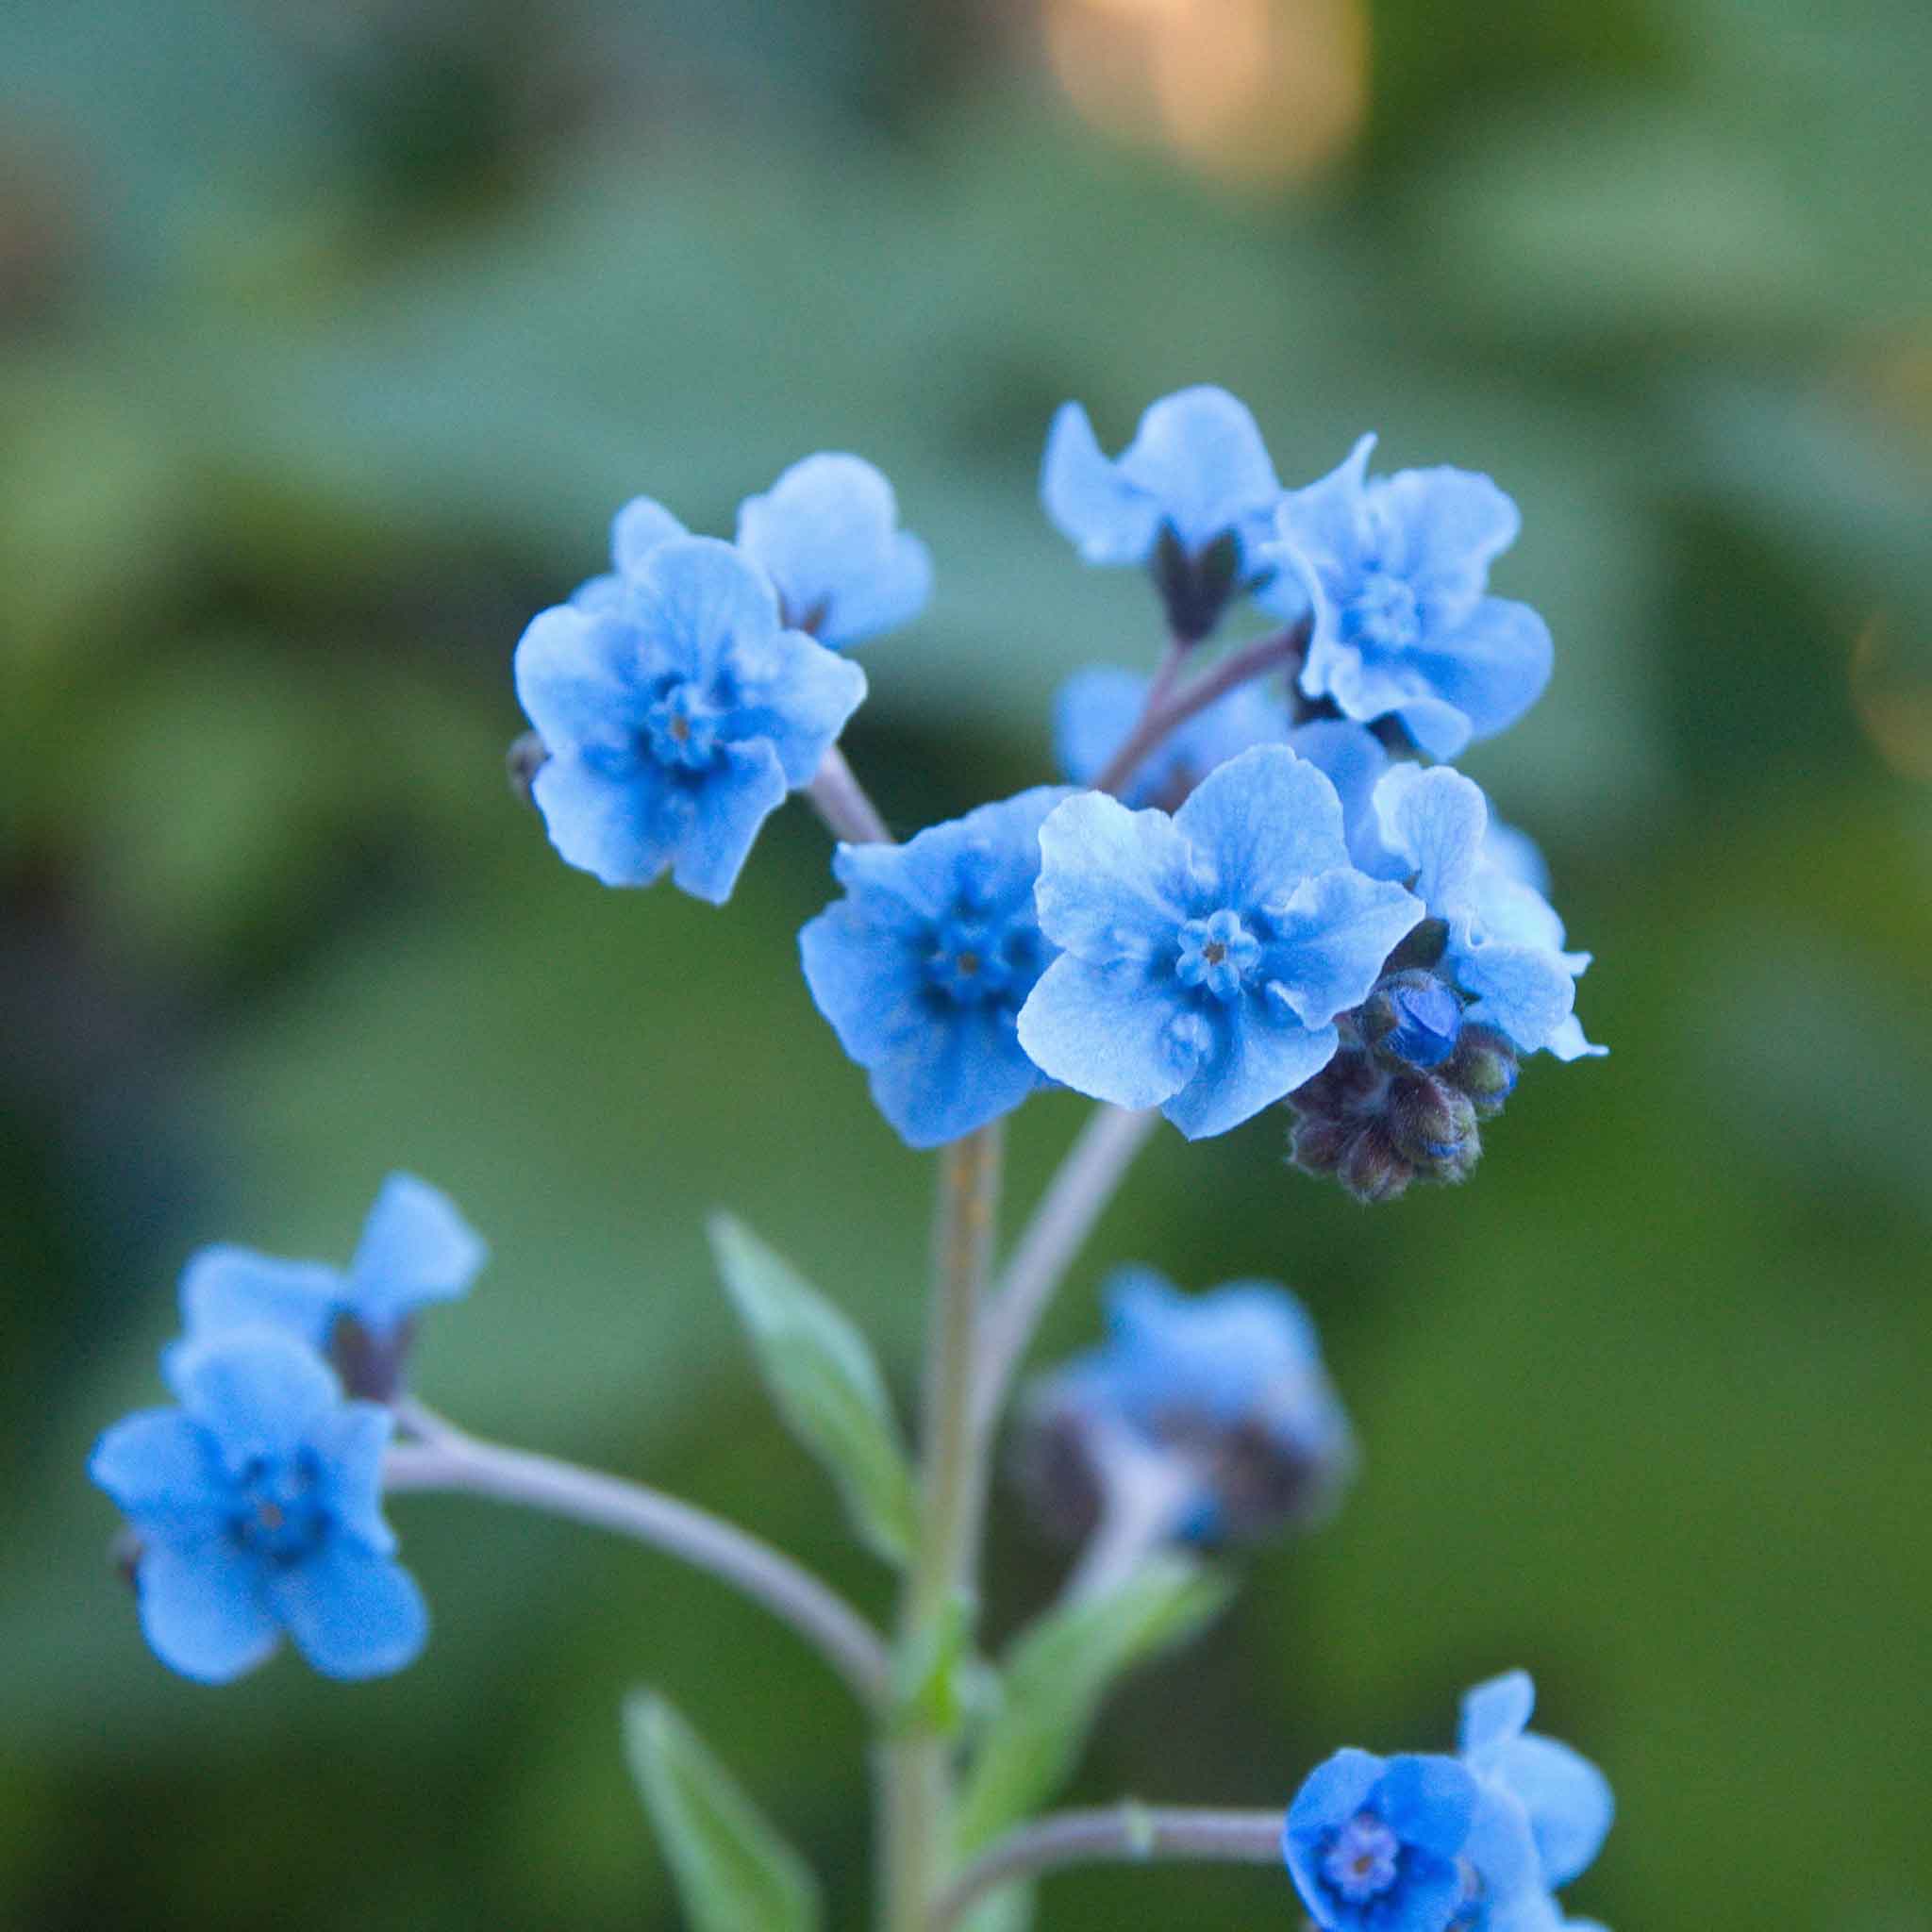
(1568, 1043)
(257, 1390)
(1567, 1797)
(352, 1614)
(1446, 527)
(1092, 714)
(826, 535)
(1199, 455)
(1433, 821)
(1332, 1793)
(1109, 517)
(1503, 1854)
(1516, 856)
(415, 1248)
(225, 1287)
(204, 1609)
(349, 1441)
(1505, 909)
(699, 601)
(1496, 1710)
(1114, 884)
(1493, 668)
(1330, 938)
(1262, 824)
(798, 695)
(637, 530)
(1257, 1056)
(1097, 707)
(736, 797)
(866, 976)
(620, 820)
(1321, 530)
(576, 676)
(1107, 1032)
(1523, 991)
(955, 1076)
(1429, 1800)
(599, 596)
(1353, 760)
(163, 1468)
(1435, 726)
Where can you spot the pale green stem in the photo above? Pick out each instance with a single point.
(1122, 1833)
(914, 1768)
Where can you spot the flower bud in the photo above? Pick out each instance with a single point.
(1431, 1123)
(1412, 1016)
(526, 756)
(1195, 589)
(1483, 1066)
(1373, 1169)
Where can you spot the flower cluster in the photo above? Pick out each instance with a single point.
(1221, 1397)
(256, 1506)
(1478, 1842)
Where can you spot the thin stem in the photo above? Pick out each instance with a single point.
(842, 802)
(1122, 1833)
(1074, 1199)
(455, 1460)
(914, 1770)
(1166, 712)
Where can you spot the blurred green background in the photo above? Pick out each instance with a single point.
(329, 336)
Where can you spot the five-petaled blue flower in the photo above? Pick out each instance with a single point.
(677, 717)
(1542, 1805)
(1505, 946)
(922, 965)
(1207, 955)
(415, 1249)
(827, 535)
(1228, 1387)
(1375, 1844)
(1195, 483)
(256, 1506)
(1395, 573)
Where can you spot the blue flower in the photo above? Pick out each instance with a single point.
(678, 719)
(415, 1249)
(1097, 707)
(1207, 955)
(827, 534)
(1226, 1388)
(1563, 1799)
(1374, 1844)
(922, 965)
(256, 1506)
(1505, 949)
(1192, 495)
(1395, 573)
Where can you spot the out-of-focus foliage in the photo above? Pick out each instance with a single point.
(328, 338)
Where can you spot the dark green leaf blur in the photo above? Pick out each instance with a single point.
(330, 334)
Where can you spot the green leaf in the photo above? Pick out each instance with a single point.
(1059, 1672)
(734, 1872)
(827, 1387)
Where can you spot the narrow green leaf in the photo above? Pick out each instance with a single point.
(734, 1872)
(929, 1673)
(1058, 1676)
(827, 1387)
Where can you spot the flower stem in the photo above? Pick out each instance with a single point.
(451, 1460)
(843, 804)
(1121, 1834)
(1075, 1198)
(1168, 709)
(914, 1768)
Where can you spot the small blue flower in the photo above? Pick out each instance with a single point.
(258, 1509)
(1192, 495)
(1505, 943)
(1226, 1387)
(827, 534)
(676, 719)
(1563, 1799)
(922, 965)
(1207, 955)
(1097, 707)
(415, 1249)
(1374, 1844)
(1395, 571)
